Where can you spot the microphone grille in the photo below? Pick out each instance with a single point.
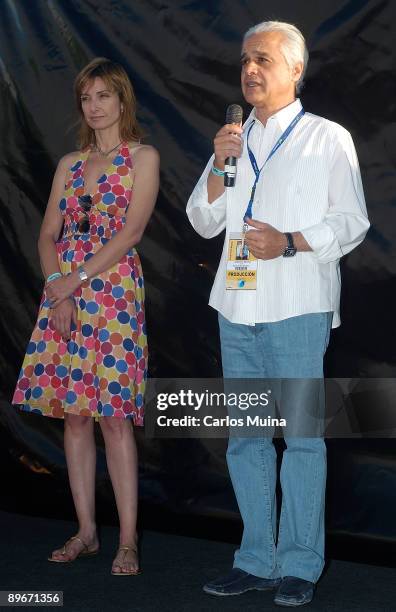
(234, 114)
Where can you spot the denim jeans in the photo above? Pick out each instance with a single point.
(292, 348)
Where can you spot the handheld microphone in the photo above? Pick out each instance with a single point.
(234, 114)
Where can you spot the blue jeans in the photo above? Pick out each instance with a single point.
(293, 348)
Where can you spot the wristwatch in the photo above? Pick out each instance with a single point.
(290, 250)
(82, 274)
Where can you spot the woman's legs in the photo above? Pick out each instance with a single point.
(80, 453)
(122, 464)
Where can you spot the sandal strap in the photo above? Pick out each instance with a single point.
(126, 548)
(70, 540)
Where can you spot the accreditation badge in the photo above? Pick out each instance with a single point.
(241, 264)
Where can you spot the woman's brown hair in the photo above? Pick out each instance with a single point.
(117, 80)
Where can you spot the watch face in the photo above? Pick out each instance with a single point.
(289, 252)
(83, 275)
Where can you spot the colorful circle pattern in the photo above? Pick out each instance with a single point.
(102, 370)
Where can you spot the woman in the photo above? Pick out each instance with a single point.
(87, 358)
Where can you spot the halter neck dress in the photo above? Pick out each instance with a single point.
(102, 369)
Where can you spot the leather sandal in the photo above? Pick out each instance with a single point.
(86, 552)
(125, 550)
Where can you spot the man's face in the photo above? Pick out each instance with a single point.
(266, 78)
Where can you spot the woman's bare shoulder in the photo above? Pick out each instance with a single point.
(67, 160)
(143, 153)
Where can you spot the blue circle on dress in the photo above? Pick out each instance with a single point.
(108, 198)
(31, 348)
(28, 394)
(117, 292)
(76, 166)
(121, 366)
(39, 369)
(82, 351)
(62, 204)
(114, 388)
(123, 317)
(97, 284)
(41, 346)
(109, 361)
(43, 323)
(87, 330)
(37, 392)
(92, 307)
(104, 335)
(108, 410)
(118, 161)
(61, 371)
(134, 324)
(128, 344)
(71, 397)
(139, 400)
(103, 178)
(72, 347)
(76, 374)
(78, 182)
(125, 393)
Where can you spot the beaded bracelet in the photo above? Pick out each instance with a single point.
(54, 276)
(217, 172)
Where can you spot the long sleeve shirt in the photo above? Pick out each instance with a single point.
(311, 184)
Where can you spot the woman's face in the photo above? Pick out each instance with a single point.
(100, 105)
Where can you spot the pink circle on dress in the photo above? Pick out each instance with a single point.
(78, 256)
(128, 408)
(99, 357)
(110, 313)
(55, 382)
(106, 348)
(90, 392)
(104, 187)
(93, 404)
(61, 393)
(121, 304)
(108, 301)
(88, 378)
(44, 380)
(79, 388)
(131, 372)
(139, 376)
(89, 343)
(124, 270)
(18, 397)
(62, 348)
(47, 335)
(114, 179)
(23, 383)
(121, 201)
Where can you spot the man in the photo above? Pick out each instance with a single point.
(298, 205)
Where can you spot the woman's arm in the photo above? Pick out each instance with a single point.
(144, 195)
(53, 219)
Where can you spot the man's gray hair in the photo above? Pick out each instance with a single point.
(293, 46)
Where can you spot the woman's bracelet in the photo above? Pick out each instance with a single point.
(217, 172)
(53, 277)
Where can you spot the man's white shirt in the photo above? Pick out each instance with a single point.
(311, 184)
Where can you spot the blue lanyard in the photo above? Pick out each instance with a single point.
(257, 170)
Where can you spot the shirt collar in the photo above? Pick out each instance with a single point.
(283, 117)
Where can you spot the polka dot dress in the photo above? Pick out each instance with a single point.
(102, 370)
